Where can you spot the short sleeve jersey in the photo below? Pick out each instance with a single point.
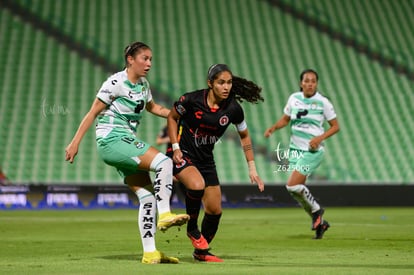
(307, 116)
(200, 126)
(126, 102)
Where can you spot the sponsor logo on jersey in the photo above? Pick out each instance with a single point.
(224, 120)
(198, 114)
(301, 113)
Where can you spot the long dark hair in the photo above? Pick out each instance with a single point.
(242, 89)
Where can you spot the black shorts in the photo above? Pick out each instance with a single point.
(207, 170)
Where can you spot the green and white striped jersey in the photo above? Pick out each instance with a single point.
(307, 116)
(126, 102)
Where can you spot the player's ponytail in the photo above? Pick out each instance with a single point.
(242, 89)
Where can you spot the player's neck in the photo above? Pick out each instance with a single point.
(212, 101)
(132, 77)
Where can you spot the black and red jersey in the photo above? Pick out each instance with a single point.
(200, 126)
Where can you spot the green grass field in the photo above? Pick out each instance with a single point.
(251, 241)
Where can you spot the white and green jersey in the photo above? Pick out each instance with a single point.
(307, 116)
(126, 102)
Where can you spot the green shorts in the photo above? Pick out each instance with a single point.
(122, 152)
(305, 162)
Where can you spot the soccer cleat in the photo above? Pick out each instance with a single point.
(158, 257)
(321, 230)
(205, 256)
(166, 220)
(317, 218)
(197, 240)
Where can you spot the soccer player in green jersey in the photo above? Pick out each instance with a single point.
(118, 108)
(306, 111)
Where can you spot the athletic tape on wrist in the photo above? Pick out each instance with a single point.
(175, 146)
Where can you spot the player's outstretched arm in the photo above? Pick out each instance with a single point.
(282, 122)
(72, 149)
(157, 109)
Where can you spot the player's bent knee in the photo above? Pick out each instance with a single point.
(162, 162)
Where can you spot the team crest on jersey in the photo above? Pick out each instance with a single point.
(314, 106)
(224, 120)
(139, 145)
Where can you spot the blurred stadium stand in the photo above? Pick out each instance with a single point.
(55, 55)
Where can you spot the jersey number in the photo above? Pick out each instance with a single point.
(128, 140)
(139, 107)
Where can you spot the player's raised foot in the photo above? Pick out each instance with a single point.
(321, 230)
(166, 220)
(157, 257)
(317, 218)
(197, 240)
(205, 256)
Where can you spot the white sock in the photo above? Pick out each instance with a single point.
(302, 194)
(163, 183)
(147, 219)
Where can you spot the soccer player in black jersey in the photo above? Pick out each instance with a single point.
(195, 123)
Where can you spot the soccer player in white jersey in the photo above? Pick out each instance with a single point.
(118, 108)
(306, 111)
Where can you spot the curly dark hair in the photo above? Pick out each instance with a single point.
(244, 89)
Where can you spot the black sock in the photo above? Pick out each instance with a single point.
(193, 205)
(209, 226)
